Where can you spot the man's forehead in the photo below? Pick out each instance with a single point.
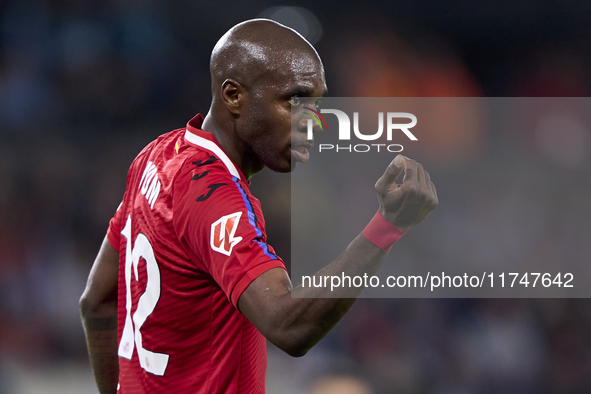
(302, 63)
(304, 71)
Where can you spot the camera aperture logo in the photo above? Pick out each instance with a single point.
(344, 133)
(315, 115)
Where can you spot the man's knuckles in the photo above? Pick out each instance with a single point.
(412, 189)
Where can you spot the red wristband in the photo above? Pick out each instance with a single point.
(381, 232)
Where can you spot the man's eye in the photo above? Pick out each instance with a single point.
(295, 101)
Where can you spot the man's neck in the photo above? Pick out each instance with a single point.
(232, 146)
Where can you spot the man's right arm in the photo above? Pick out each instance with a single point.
(296, 319)
(98, 309)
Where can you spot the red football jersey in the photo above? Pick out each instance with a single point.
(190, 238)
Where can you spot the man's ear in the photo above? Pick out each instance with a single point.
(233, 96)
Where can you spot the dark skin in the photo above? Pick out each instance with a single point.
(251, 111)
(98, 308)
(261, 71)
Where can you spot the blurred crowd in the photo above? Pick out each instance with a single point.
(85, 84)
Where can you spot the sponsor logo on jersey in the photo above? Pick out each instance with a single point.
(223, 231)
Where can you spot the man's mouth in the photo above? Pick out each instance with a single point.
(300, 152)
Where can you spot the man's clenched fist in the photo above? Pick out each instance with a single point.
(408, 203)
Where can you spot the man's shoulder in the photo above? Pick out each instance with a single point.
(161, 140)
(207, 180)
(206, 163)
(200, 168)
(191, 161)
(155, 149)
(172, 151)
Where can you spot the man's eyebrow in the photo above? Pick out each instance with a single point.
(303, 92)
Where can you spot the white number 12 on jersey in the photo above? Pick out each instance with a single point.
(150, 361)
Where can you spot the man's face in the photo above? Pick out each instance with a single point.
(267, 128)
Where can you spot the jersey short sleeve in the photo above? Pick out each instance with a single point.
(118, 220)
(222, 226)
(114, 230)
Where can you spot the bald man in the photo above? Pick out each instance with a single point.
(185, 288)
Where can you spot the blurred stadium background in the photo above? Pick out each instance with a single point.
(85, 84)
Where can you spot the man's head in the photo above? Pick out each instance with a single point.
(258, 69)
